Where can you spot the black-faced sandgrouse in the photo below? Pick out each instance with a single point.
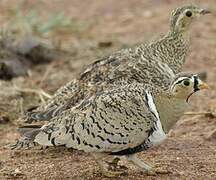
(121, 122)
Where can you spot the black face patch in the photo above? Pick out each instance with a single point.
(196, 87)
(196, 83)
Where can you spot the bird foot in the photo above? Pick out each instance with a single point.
(106, 168)
(115, 166)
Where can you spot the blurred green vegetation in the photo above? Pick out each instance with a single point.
(33, 23)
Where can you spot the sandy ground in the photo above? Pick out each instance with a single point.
(189, 152)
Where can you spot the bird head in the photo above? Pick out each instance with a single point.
(182, 17)
(186, 84)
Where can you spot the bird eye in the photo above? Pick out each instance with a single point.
(186, 83)
(188, 13)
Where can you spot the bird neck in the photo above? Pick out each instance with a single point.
(175, 45)
(183, 34)
(170, 109)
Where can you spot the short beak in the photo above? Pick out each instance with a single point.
(205, 11)
(203, 85)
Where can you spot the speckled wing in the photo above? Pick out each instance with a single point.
(110, 122)
(124, 67)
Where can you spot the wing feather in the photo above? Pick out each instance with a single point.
(110, 122)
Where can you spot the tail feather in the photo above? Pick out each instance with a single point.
(28, 134)
(28, 128)
(43, 115)
(35, 133)
(38, 116)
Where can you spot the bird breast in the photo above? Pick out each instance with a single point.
(170, 111)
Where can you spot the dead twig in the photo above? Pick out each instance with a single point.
(41, 93)
(21, 109)
(205, 113)
(197, 113)
(46, 74)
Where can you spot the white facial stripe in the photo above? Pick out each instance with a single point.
(193, 79)
(179, 79)
(196, 77)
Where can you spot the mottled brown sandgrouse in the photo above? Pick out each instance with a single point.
(153, 63)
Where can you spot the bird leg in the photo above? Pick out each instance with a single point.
(104, 167)
(114, 164)
(145, 167)
(140, 164)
